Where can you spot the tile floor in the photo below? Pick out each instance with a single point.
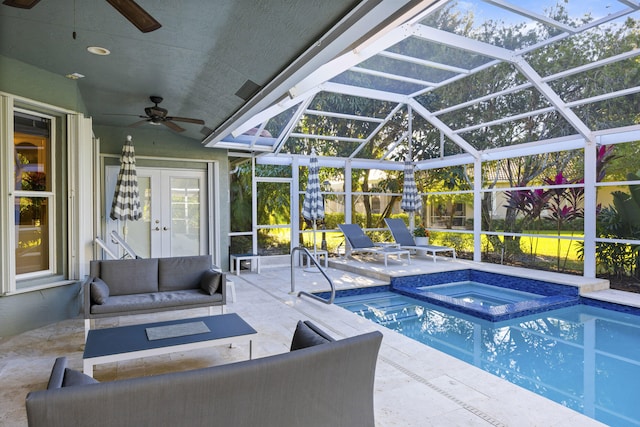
(415, 385)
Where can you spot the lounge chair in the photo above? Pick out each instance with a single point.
(360, 242)
(404, 239)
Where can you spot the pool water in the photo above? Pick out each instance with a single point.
(480, 293)
(487, 295)
(586, 358)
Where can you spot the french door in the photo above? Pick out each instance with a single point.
(174, 212)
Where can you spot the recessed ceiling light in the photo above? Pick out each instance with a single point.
(74, 76)
(97, 50)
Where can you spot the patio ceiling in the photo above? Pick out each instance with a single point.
(208, 59)
(457, 81)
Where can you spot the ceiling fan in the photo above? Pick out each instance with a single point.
(128, 8)
(158, 115)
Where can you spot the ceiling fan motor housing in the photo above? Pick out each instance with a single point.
(156, 112)
(159, 115)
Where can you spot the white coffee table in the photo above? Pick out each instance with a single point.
(237, 258)
(131, 342)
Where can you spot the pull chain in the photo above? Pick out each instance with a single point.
(74, 19)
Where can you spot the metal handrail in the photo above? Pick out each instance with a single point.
(104, 247)
(310, 295)
(116, 238)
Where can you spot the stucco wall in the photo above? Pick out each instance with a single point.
(34, 83)
(30, 310)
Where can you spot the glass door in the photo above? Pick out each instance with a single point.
(173, 223)
(183, 229)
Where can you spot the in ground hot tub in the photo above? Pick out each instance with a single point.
(486, 295)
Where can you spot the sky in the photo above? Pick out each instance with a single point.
(576, 8)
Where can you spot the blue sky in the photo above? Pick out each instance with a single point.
(576, 8)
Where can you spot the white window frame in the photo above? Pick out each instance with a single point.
(78, 178)
(50, 195)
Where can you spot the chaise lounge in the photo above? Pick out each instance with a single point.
(359, 242)
(404, 239)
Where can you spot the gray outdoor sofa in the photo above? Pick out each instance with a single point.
(319, 383)
(147, 285)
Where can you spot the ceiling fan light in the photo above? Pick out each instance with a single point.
(97, 50)
(74, 76)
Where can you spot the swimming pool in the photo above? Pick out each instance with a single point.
(584, 357)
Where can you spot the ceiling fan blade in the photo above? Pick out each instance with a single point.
(186, 120)
(123, 114)
(135, 14)
(22, 4)
(136, 124)
(172, 126)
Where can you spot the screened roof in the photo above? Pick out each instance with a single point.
(462, 80)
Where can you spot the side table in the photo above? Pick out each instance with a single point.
(304, 258)
(236, 258)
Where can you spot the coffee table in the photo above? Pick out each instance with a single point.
(132, 342)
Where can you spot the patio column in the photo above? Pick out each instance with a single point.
(347, 192)
(590, 203)
(477, 209)
(295, 203)
(254, 207)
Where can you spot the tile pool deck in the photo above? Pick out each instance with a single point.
(415, 385)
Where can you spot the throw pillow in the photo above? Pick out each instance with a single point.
(99, 291)
(308, 335)
(72, 378)
(210, 281)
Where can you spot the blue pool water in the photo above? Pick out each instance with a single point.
(584, 357)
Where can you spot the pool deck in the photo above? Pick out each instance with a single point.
(415, 384)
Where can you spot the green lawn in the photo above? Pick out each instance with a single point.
(546, 246)
(543, 246)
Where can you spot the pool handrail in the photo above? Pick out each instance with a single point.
(324, 273)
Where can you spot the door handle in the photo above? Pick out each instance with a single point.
(157, 228)
(165, 228)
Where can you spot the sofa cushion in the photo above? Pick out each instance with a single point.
(178, 273)
(130, 276)
(99, 291)
(210, 281)
(155, 301)
(73, 378)
(307, 335)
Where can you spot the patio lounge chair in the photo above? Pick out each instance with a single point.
(360, 242)
(403, 237)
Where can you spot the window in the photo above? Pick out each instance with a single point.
(34, 194)
(46, 215)
(375, 204)
(448, 215)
